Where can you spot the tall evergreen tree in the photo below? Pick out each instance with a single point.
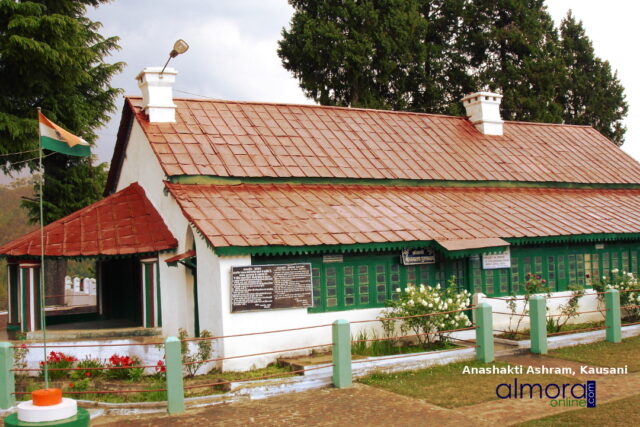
(396, 54)
(514, 48)
(424, 55)
(52, 56)
(591, 93)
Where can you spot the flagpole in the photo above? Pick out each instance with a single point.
(43, 317)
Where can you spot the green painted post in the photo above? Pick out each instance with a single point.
(341, 354)
(175, 386)
(7, 379)
(538, 327)
(484, 333)
(613, 318)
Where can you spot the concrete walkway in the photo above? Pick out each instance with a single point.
(369, 406)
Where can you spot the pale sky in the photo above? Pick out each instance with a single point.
(233, 46)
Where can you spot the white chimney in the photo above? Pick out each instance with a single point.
(157, 94)
(483, 110)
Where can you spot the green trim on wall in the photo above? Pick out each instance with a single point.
(217, 180)
(159, 294)
(574, 238)
(277, 250)
(308, 250)
(148, 320)
(23, 299)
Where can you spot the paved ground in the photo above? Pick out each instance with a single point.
(368, 406)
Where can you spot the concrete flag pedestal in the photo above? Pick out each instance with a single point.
(47, 407)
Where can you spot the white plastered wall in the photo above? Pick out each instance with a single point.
(587, 303)
(141, 165)
(216, 316)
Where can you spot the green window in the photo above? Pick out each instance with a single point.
(364, 281)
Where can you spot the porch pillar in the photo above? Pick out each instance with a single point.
(13, 296)
(29, 296)
(151, 293)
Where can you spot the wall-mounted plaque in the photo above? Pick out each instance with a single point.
(418, 256)
(264, 287)
(491, 261)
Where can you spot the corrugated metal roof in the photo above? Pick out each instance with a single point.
(243, 139)
(308, 215)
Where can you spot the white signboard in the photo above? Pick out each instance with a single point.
(418, 256)
(492, 261)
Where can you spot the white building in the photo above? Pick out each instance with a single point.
(198, 187)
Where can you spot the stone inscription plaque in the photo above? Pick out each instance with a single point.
(264, 287)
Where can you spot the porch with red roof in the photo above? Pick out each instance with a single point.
(117, 231)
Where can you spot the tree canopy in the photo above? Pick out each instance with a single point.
(424, 55)
(52, 56)
(591, 93)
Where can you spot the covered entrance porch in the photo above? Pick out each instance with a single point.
(123, 234)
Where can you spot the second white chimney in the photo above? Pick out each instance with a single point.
(483, 110)
(157, 94)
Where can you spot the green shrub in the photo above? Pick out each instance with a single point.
(193, 361)
(441, 306)
(88, 373)
(58, 360)
(127, 369)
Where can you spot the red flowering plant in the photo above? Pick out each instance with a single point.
(58, 360)
(160, 370)
(124, 368)
(93, 368)
(20, 358)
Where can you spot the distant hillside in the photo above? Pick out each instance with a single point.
(13, 222)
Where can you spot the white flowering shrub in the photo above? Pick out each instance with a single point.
(629, 287)
(422, 300)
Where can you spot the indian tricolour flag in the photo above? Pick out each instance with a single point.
(54, 138)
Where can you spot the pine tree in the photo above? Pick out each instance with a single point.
(396, 54)
(424, 55)
(52, 56)
(514, 48)
(591, 93)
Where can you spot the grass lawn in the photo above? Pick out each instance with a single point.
(604, 353)
(447, 386)
(573, 327)
(619, 413)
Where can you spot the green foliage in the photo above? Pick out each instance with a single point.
(80, 384)
(568, 311)
(92, 372)
(52, 56)
(81, 268)
(535, 285)
(396, 54)
(13, 223)
(424, 55)
(20, 357)
(514, 47)
(192, 361)
(365, 344)
(591, 93)
(57, 360)
(428, 312)
(70, 184)
(628, 285)
(126, 368)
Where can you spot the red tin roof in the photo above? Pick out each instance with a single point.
(245, 139)
(121, 224)
(297, 215)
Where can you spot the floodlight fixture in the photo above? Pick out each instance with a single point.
(179, 47)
